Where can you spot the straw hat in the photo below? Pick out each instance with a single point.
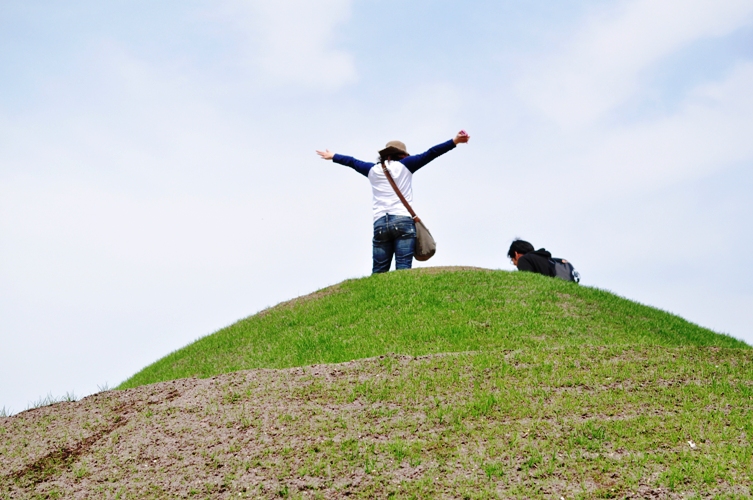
(392, 148)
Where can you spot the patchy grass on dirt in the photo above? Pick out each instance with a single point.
(427, 311)
(575, 422)
(505, 385)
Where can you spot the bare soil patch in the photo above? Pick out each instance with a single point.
(379, 427)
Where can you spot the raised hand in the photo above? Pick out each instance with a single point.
(326, 154)
(462, 137)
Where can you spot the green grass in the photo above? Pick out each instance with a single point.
(425, 312)
(50, 399)
(571, 421)
(479, 384)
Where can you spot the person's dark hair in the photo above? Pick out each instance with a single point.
(519, 246)
(394, 157)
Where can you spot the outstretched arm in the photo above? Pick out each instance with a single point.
(359, 166)
(413, 163)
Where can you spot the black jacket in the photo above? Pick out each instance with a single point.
(537, 261)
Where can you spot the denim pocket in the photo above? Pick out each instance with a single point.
(406, 229)
(381, 233)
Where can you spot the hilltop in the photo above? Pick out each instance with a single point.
(433, 383)
(428, 311)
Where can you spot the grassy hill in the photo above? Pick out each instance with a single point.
(428, 311)
(451, 383)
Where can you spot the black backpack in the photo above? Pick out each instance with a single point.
(564, 270)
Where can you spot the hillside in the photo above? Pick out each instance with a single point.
(426, 311)
(451, 384)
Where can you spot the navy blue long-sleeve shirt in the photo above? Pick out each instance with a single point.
(385, 201)
(412, 163)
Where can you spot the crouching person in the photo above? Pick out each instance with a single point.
(540, 261)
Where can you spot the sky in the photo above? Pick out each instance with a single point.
(158, 179)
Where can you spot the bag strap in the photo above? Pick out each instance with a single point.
(399, 194)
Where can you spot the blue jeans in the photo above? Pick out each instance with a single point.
(393, 235)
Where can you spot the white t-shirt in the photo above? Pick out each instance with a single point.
(385, 201)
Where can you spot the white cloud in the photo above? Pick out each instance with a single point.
(710, 131)
(420, 118)
(293, 41)
(601, 66)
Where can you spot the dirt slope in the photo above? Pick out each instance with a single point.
(335, 431)
(182, 438)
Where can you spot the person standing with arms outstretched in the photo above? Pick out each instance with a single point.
(394, 229)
